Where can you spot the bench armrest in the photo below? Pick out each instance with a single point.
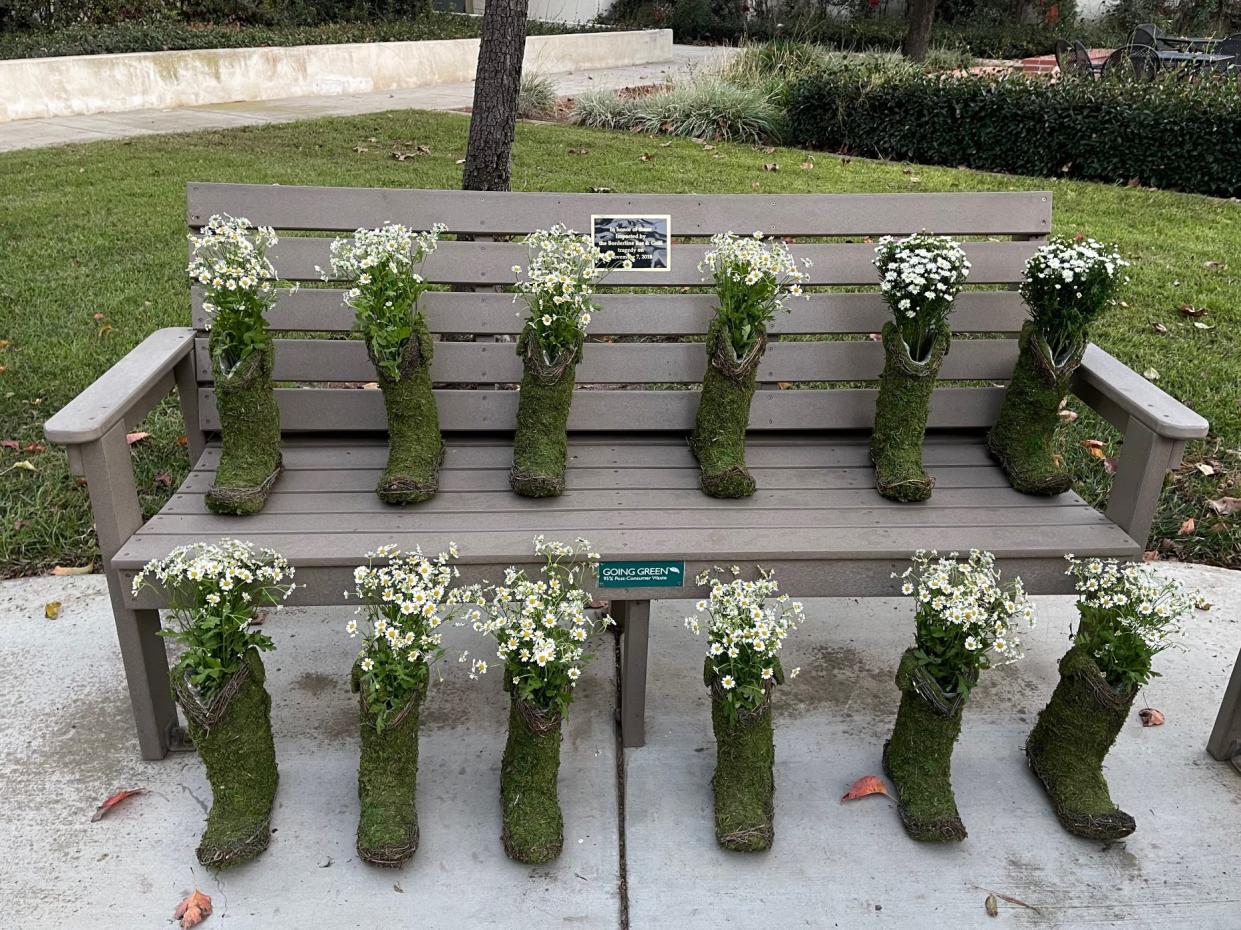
(1120, 394)
(126, 391)
(1155, 427)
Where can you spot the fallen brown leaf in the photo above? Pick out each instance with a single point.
(163, 479)
(10, 444)
(1110, 465)
(1094, 447)
(73, 569)
(807, 165)
(1068, 416)
(1160, 328)
(1225, 506)
(1205, 469)
(992, 906)
(771, 166)
(112, 800)
(1190, 310)
(866, 785)
(1188, 527)
(1151, 717)
(51, 610)
(193, 910)
(131, 438)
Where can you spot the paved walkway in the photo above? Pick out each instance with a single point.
(67, 742)
(63, 130)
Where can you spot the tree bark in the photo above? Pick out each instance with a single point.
(920, 14)
(487, 156)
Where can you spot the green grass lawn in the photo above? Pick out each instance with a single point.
(92, 255)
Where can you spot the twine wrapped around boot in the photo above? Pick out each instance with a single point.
(415, 448)
(743, 784)
(233, 737)
(1023, 437)
(250, 460)
(540, 445)
(918, 757)
(1070, 740)
(901, 414)
(718, 440)
(388, 782)
(533, 830)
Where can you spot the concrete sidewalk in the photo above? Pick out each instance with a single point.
(68, 742)
(39, 133)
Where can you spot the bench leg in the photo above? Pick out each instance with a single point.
(146, 670)
(1225, 742)
(634, 618)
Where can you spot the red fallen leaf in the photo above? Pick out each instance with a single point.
(35, 447)
(183, 440)
(1094, 447)
(163, 479)
(866, 785)
(1150, 555)
(1109, 465)
(1188, 527)
(11, 444)
(131, 438)
(111, 802)
(195, 908)
(1150, 717)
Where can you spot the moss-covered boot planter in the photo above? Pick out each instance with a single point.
(901, 414)
(233, 737)
(533, 829)
(415, 449)
(744, 780)
(1069, 742)
(718, 441)
(1022, 439)
(249, 432)
(541, 444)
(918, 757)
(388, 782)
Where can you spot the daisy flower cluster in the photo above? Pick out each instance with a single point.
(402, 600)
(382, 266)
(559, 284)
(748, 623)
(230, 264)
(920, 276)
(1068, 283)
(1128, 615)
(966, 619)
(541, 626)
(216, 591)
(754, 277)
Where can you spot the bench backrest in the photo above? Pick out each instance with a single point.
(642, 345)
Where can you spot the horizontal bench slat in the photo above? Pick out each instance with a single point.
(667, 478)
(627, 363)
(327, 409)
(835, 264)
(317, 309)
(805, 544)
(492, 213)
(322, 453)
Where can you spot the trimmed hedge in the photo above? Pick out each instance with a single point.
(167, 35)
(1170, 133)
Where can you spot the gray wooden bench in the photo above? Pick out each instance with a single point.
(632, 484)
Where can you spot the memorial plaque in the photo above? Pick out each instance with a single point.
(645, 240)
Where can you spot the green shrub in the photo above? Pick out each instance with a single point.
(706, 107)
(536, 97)
(154, 35)
(1168, 133)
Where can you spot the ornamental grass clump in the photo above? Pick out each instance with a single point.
(382, 266)
(403, 602)
(230, 265)
(1068, 284)
(557, 289)
(216, 592)
(541, 627)
(1127, 615)
(919, 277)
(753, 279)
(748, 621)
(966, 621)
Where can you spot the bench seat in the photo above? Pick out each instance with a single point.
(816, 516)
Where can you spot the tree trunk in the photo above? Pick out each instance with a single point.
(496, 83)
(920, 14)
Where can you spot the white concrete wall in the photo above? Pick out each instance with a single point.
(42, 87)
(568, 11)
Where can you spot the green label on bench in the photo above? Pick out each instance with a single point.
(655, 573)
